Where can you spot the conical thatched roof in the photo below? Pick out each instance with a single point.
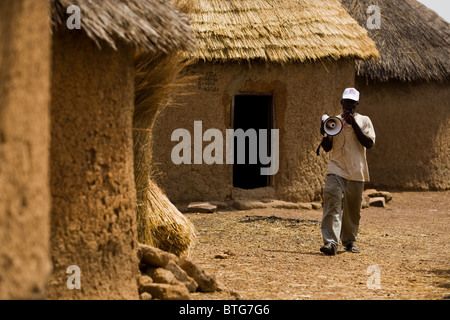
(277, 31)
(153, 25)
(413, 40)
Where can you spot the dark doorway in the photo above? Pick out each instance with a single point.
(252, 112)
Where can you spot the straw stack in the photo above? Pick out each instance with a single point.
(160, 224)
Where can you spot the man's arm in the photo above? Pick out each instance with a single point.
(363, 138)
(327, 141)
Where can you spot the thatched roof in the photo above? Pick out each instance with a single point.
(277, 31)
(413, 40)
(152, 25)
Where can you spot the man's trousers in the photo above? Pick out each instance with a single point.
(335, 223)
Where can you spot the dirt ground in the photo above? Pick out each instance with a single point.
(274, 253)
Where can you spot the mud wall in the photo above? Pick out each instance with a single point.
(301, 94)
(24, 142)
(92, 182)
(412, 123)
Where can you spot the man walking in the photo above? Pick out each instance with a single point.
(346, 174)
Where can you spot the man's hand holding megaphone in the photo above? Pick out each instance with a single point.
(349, 117)
(348, 106)
(327, 141)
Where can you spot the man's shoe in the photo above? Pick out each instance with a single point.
(351, 248)
(328, 249)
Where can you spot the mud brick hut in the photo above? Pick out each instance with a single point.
(67, 186)
(24, 144)
(267, 65)
(92, 179)
(407, 95)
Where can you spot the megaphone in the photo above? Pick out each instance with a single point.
(332, 125)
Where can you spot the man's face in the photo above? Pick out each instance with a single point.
(349, 105)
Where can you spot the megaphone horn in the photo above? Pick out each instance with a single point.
(332, 125)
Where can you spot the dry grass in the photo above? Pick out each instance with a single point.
(160, 224)
(277, 31)
(414, 42)
(155, 26)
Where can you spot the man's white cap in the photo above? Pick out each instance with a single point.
(351, 93)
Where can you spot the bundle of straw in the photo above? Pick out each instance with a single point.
(160, 223)
(165, 227)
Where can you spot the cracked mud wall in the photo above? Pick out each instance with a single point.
(24, 142)
(92, 181)
(412, 123)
